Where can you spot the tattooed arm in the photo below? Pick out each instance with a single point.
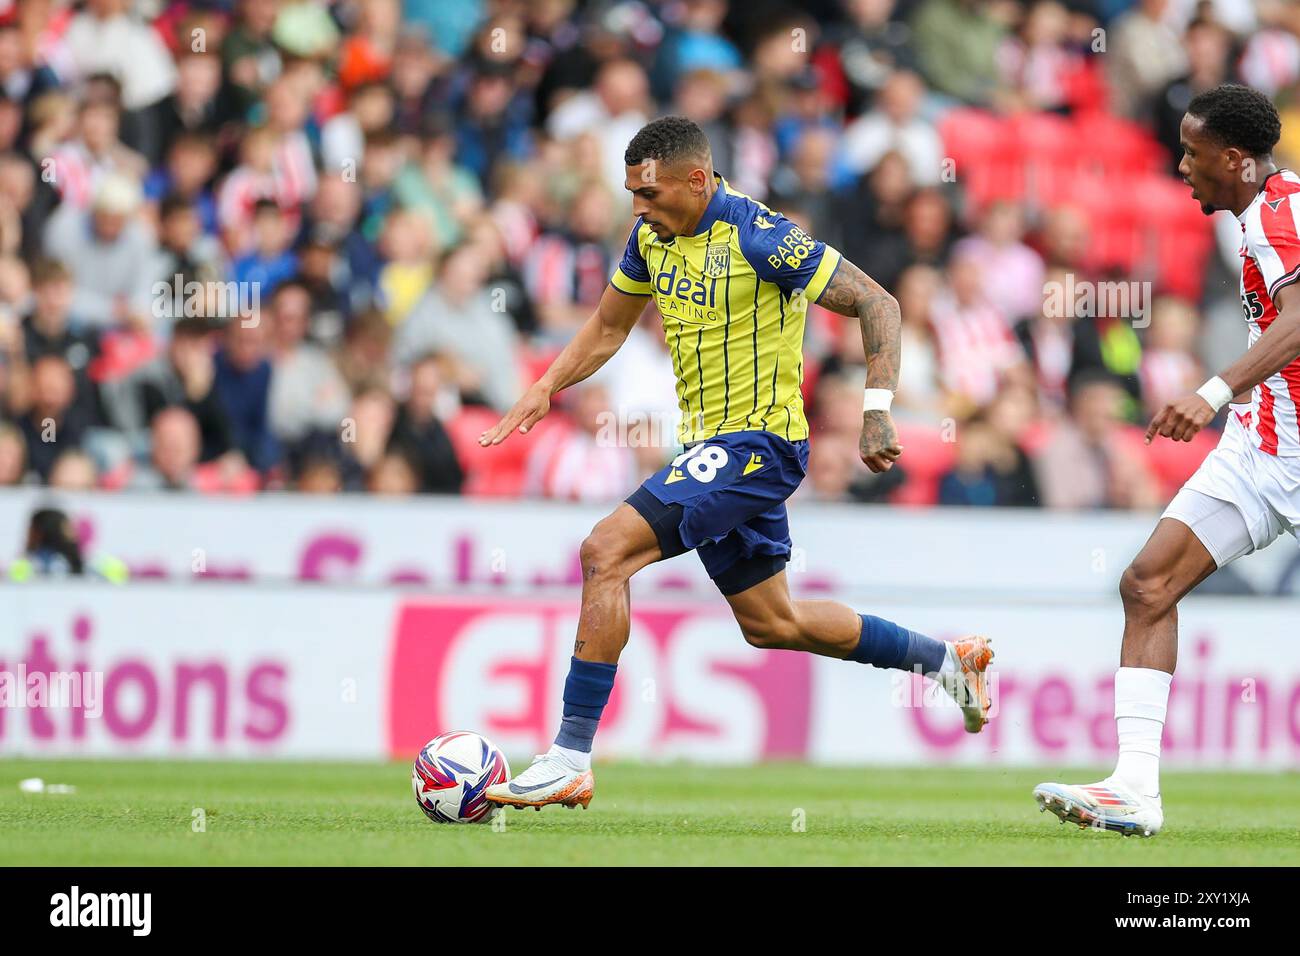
(853, 292)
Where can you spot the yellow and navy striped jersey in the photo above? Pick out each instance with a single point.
(733, 297)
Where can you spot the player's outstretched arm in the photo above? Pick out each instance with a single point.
(1277, 348)
(852, 292)
(599, 338)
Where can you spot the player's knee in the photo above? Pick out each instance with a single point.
(1146, 593)
(601, 555)
(770, 633)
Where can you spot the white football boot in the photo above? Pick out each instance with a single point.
(968, 682)
(1108, 805)
(548, 779)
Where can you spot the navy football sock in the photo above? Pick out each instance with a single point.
(885, 644)
(586, 691)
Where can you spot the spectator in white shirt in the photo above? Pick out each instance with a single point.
(614, 110)
(895, 126)
(107, 38)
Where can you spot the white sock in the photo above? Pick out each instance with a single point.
(949, 665)
(574, 758)
(1141, 698)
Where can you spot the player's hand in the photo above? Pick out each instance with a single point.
(1182, 419)
(527, 412)
(879, 445)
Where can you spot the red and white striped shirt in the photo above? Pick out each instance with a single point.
(976, 347)
(561, 271)
(571, 465)
(1270, 251)
(77, 172)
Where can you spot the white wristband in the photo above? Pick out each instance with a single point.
(877, 399)
(1215, 392)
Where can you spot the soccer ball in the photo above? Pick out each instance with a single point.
(453, 772)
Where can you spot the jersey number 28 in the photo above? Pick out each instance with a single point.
(703, 461)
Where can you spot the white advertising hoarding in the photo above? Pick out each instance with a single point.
(197, 670)
(231, 670)
(455, 544)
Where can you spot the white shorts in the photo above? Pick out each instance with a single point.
(1240, 499)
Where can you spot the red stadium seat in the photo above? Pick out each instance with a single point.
(214, 479)
(497, 472)
(926, 459)
(1118, 230)
(970, 134)
(1036, 436)
(985, 151)
(1048, 147)
(1148, 229)
(1118, 148)
(1179, 236)
(1173, 462)
(535, 362)
(1085, 86)
(115, 478)
(1170, 463)
(120, 354)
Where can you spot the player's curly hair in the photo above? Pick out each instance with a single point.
(1238, 116)
(667, 140)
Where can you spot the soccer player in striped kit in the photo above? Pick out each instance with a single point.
(1247, 491)
(731, 279)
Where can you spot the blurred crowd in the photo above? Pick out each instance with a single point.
(254, 245)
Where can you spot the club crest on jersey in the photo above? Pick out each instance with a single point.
(717, 260)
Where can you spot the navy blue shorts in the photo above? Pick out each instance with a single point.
(725, 499)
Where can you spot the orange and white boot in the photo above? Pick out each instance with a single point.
(966, 679)
(549, 779)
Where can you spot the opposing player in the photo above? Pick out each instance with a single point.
(731, 279)
(1248, 488)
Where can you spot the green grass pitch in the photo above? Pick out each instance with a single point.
(255, 813)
